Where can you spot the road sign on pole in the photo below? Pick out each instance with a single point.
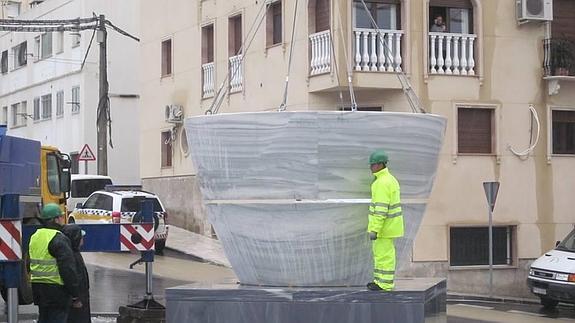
(491, 189)
(86, 154)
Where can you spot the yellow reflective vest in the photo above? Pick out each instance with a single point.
(385, 215)
(43, 267)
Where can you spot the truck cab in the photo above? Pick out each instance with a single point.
(54, 176)
(552, 276)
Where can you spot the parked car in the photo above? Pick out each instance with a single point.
(552, 276)
(123, 203)
(81, 186)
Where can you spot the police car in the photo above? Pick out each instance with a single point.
(120, 204)
(552, 276)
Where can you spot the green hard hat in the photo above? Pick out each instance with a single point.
(378, 157)
(51, 211)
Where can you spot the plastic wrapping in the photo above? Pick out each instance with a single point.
(288, 192)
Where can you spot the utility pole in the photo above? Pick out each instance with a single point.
(103, 109)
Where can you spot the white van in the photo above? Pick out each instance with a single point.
(552, 276)
(81, 186)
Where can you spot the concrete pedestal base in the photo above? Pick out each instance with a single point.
(138, 315)
(413, 300)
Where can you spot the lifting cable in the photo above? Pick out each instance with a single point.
(282, 106)
(526, 152)
(412, 98)
(219, 97)
(348, 63)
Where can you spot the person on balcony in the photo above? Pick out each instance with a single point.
(385, 222)
(438, 25)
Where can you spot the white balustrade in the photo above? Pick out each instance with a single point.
(377, 51)
(451, 53)
(236, 74)
(320, 44)
(208, 80)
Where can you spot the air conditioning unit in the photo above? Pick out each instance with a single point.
(529, 10)
(174, 113)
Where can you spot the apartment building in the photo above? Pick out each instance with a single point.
(501, 72)
(49, 82)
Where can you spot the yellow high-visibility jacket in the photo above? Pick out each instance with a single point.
(385, 215)
(43, 267)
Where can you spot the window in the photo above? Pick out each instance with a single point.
(53, 174)
(37, 48)
(367, 108)
(475, 128)
(19, 114)
(85, 187)
(319, 12)
(47, 106)
(58, 42)
(76, 36)
(274, 24)
(456, 15)
(4, 115)
(167, 57)
(207, 44)
(235, 35)
(36, 115)
(469, 246)
(46, 45)
(563, 131)
(12, 9)
(19, 53)
(134, 204)
(568, 244)
(60, 104)
(100, 202)
(386, 14)
(76, 99)
(75, 167)
(166, 149)
(4, 62)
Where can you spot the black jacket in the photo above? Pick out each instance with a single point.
(79, 315)
(51, 295)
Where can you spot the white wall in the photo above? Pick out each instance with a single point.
(63, 71)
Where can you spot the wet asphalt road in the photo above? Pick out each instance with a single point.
(114, 285)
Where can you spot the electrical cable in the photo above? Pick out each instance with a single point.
(88, 50)
(218, 98)
(526, 152)
(412, 98)
(348, 67)
(282, 106)
(122, 32)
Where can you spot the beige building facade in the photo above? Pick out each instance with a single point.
(503, 76)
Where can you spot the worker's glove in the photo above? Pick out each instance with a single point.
(372, 235)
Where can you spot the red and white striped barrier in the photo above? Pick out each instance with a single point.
(137, 237)
(10, 240)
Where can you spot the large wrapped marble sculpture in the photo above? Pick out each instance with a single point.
(288, 192)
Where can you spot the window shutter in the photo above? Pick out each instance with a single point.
(563, 24)
(466, 4)
(474, 130)
(322, 14)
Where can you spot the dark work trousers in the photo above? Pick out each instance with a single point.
(52, 314)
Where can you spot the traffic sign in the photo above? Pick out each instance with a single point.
(86, 154)
(137, 237)
(491, 189)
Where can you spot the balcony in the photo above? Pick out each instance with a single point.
(452, 54)
(208, 80)
(236, 74)
(372, 68)
(378, 51)
(320, 44)
(558, 62)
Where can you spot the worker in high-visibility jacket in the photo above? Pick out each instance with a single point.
(52, 268)
(385, 221)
